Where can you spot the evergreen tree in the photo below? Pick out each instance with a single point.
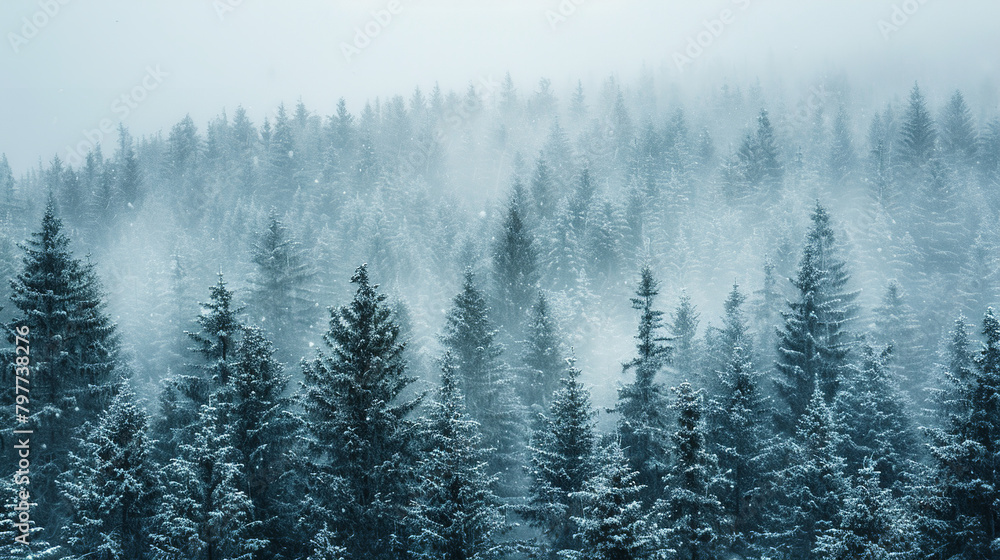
(260, 420)
(563, 459)
(613, 525)
(842, 155)
(810, 488)
(542, 189)
(967, 452)
(281, 288)
(204, 513)
(112, 486)
(75, 359)
(455, 515)
(486, 380)
(356, 416)
(6, 183)
(958, 134)
(543, 360)
(874, 414)
(896, 324)
(515, 270)
(814, 344)
(872, 524)
(684, 328)
(917, 134)
(757, 158)
(694, 523)
(739, 438)
(643, 424)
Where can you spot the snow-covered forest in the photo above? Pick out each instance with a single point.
(516, 321)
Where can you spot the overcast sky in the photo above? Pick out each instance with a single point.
(63, 74)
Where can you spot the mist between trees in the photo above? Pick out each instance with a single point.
(509, 324)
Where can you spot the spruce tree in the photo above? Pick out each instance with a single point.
(958, 134)
(643, 422)
(486, 380)
(896, 324)
(455, 514)
(874, 413)
(281, 295)
(686, 348)
(357, 421)
(815, 344)
(694, 523)
(810, 489)
(614, 525)
(543, 362)
(872, 524)
(966, 453)
(842, 158)
(112, 486)
(515, 271)
(757, 159)
(918, 136)
(74, 354)
(204, 513)
(563, 459)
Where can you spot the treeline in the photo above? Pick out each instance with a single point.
(447, 412)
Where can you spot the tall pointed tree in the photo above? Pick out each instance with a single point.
(357, 421)
(515, 270)
(563, 459)
(543, 362)
(643, 422)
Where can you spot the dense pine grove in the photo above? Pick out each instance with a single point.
(498, 324)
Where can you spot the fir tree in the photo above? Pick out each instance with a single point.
(613, 525)
(757, 158)
(75, 359)
(486, 380)
(814, 344)
(684, 328)
(917, 134)
(874, 414)
(281, 288)
(356, 417)
(515, 270)
(455, 515)
(872, 524)
(958, 134)
(694, 523)
(896, 325)
(543, 361)
(563, 459)
(112, 486)
(966, 453)
(643, 424)
(842, 155)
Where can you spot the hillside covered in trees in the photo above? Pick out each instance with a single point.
(515, 322)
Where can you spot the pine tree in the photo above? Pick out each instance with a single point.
(515, 270)
(739, 438)
(842, 159)
(896, 325)
(814, 344)
(112, 486)
(6, 183)
(643, 424)
(874, 414)
(455, 515)
(542, 189)
(204, 513)
(872, 524)
(75, 359)
(694, 523)
(917, 134)
(486, 380)
(958, 134)
(684, 328)
(356, 416)
(757, 158)
(260, 419)
(563, 459)
(543, 361)
(967, 452)
(613, 525)
(281, 288)
(810, 488)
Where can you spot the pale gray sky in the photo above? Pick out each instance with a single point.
(63, 77)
